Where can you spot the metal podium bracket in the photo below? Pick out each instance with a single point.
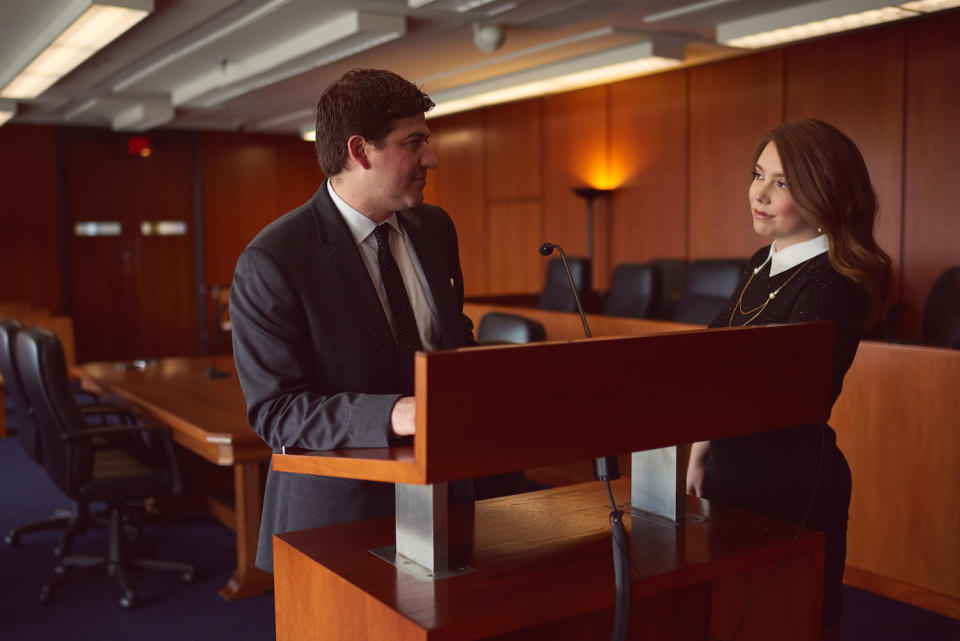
(659, 481)
(433, 531)
(423, 525)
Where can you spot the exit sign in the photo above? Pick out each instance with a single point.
(139, 146)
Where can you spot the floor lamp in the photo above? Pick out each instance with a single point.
(588, 194)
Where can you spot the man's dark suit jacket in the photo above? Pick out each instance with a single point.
(316, 357)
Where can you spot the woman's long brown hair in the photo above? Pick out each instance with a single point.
(829, 182)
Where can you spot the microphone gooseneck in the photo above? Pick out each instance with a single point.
(545, 250)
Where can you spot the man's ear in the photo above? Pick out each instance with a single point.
(357, 151)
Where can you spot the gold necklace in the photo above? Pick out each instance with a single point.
(759, 308)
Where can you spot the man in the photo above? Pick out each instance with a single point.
(330, 301)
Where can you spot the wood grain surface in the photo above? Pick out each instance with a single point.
(542, 569)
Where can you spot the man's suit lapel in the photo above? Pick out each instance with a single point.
(343, 259)
(438, 278)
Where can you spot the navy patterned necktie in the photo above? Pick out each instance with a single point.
(404, 322)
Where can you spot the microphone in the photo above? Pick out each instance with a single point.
(545, 250)
(606, 467)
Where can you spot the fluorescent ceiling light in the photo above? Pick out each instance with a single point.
(181, 48)
(595, 69)
(8, 109)
(143, 116)
(328, 42)
(79, 31)
(819, 19)
(928, 6)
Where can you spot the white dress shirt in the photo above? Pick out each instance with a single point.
(421, 300)
(781, 261)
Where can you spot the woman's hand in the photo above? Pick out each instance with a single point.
(698, 459)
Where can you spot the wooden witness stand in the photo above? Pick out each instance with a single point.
(540, 564)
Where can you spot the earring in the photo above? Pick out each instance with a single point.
(819, 230)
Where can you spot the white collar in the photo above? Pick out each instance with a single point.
(360, 226)
(781, 261)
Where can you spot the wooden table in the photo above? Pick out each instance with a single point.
(206, 416)
(542, 569)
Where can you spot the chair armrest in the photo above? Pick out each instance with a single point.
(163, 433)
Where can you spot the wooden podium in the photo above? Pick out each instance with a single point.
(540, 564)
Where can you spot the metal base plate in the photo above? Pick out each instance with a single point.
(659, 519)
(389, 554)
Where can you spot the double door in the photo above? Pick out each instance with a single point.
(129, 229)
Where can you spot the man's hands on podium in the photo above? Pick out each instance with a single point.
(698, 459)
(403, 417)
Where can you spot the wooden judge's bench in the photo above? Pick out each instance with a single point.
(539, 565)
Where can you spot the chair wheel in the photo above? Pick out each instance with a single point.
(45, 594)
(188, 577)
(128, 600)
(58, 551)
(12, 539)
(60, 570)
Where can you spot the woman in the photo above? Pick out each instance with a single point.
(811, 195)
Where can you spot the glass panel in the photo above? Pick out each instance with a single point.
(97, 228)
(163, 228)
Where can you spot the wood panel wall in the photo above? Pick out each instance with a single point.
(931, 214)
(675, 145)
(732, 103)
(249, 180)
(648, 163)
(29, 233)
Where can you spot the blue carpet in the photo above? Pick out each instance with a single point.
(170, 609)
(88, 609)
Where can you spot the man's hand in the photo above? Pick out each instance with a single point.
(403, 417)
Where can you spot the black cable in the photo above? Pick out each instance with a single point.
(621, 571)
(776, 570)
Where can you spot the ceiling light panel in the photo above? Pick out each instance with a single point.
(807, 21)
(143, 116)
(230, 22)
(319, 45)
(586, 71)
(78, 32)
(927, 6)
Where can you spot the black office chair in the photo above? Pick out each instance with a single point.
(556, 294)
(78, 519)
(673, 272)
(109, 463)
(941, 311)
(499, 327)
(633, 291)
(709, 283)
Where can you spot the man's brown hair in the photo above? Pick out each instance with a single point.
(362, 102)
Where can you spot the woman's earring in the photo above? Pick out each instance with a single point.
(819, 230)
